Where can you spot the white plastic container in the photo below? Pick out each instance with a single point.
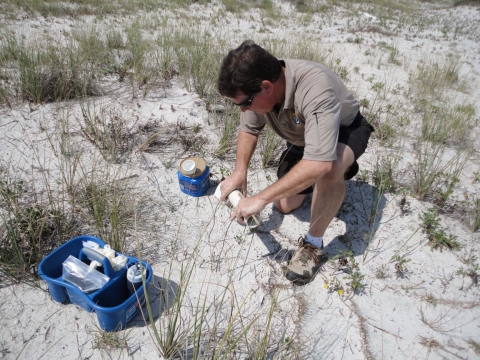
(234, 197)
(134, 277)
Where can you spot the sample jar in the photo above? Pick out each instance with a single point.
(193, 176)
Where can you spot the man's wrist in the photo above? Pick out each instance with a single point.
(261, 199)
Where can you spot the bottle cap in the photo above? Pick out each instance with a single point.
(189, 167)
(200, 166)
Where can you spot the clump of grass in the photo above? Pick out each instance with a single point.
(106, 340)
(109, 130)
(43, 71)
(115, 39)
(109, 202)
(4, 96)
(137, 49)
(383, 174)
(447, 123)
(269, 144)
(229, 122)
(433, 77)
(29, 230)
(164, 53)
(198, 61)
(432, 171)
(393, 53)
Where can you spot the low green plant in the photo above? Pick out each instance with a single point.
(440, 239)
(354, 277)
(445, 190)
(400, 262)
(430, 298)
(436, 236)
(472, 272)
(392, 53)
(339, 69)
(333, 285)
(430, 219)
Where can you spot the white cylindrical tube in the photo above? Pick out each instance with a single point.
(234, 197)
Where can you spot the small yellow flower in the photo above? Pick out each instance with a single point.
(325, 285)
(340, 292)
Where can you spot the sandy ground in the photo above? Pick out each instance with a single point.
(426, 311)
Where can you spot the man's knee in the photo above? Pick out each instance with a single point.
(345, 159)
(289, 204)
(336, 173)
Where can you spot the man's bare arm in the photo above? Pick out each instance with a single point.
(246, 144)
(301, 176)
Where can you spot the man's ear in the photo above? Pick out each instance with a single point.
(267, 86)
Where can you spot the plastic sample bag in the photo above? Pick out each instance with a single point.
(82, 276)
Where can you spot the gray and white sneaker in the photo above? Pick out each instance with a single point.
(305, 263)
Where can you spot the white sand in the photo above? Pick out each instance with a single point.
(391, 317)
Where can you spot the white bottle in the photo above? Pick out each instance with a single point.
(134, 277)
(234, 197)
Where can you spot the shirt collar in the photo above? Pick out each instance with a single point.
(289, 85)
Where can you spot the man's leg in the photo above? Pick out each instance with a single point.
(328, 195)
(290, 203)
(329, 192)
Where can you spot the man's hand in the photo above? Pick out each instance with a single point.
(247, 207)
(236, 180)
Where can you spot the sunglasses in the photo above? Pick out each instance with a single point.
(247, 103)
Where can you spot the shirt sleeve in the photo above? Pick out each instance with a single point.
(321, 109)
(251, 122)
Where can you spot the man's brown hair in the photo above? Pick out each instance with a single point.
(244, 69)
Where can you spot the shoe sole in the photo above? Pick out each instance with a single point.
(298, 279)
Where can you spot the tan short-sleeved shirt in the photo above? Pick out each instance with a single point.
(316, 104)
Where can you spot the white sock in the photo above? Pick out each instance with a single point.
(314, 240)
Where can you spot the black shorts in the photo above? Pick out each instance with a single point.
(355, 135)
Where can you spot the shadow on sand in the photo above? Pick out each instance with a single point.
(361, 211)
(161, 296)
